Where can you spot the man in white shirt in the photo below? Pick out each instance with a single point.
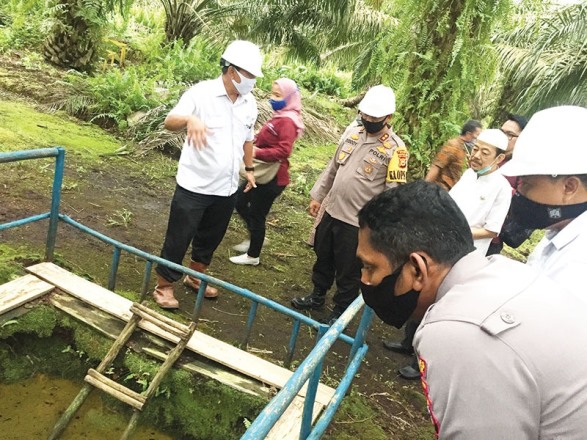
(551, 160)
(483, 194)
(218, 116)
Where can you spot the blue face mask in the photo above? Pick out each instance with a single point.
(486, 169)
(277, 105)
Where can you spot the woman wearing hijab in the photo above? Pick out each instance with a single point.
(273, 143)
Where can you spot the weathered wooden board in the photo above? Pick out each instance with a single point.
(288, 426)
(207, 346)
(22, 290)
(111, 327)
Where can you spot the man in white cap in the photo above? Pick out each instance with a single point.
(551, 160)
(483, 194)
(219, 116)
(370, 158)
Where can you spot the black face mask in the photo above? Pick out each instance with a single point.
(393, 310)
(372, 127)
(531, 215)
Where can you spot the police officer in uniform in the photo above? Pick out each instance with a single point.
(501, 347)
(369, 159)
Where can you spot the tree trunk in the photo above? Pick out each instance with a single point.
(70, 42)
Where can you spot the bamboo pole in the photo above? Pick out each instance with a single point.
(87, 388)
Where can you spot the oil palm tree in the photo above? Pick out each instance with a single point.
(312, 30)
(545, 61)
(76, 29)
(184, 19)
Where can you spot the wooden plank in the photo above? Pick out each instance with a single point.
(207, 346)
(20, 291)
(144, 342)
(83, 289)
(290, 422)
(113, 392)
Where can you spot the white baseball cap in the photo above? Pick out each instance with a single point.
(379, 101)
(551, 144)
(494, 137)
(245, 55)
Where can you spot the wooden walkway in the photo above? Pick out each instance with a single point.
(45, 277)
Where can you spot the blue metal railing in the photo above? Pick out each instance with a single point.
(309, 370)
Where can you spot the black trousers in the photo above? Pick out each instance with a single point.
(253, 207)
(336, 248)
(409, 333)
(199, 219)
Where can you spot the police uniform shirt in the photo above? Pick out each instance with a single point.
(485, 201)
(214, 169)
(362, 167)
(561, 255)
(503, 354)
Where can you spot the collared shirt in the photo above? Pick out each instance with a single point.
(359, 170)
(491, 358)
(562, 256)
(214, 169)
(485, 201)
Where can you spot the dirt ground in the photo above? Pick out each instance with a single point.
(127, 198)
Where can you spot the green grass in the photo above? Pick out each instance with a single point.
(23, 127)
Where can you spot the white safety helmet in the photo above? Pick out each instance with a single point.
(379, 101)
(551, 144)
(494, 137)
(245, 55)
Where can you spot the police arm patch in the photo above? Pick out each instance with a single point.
(397, 171)
(423, 366)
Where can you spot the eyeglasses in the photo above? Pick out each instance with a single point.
(509, 134)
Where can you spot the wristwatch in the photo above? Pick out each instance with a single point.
(249, 168)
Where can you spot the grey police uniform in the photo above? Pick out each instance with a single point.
(362, 167)
(359, 171)
(491, 358)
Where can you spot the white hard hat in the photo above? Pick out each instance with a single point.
(494, 137)
(551, 144)
(245, 55)
(379, 101)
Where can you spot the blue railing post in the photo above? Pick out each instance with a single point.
(292, 343)
(55, 201)
(146, 279)
(310, 398)
(114, 268)
(250, 322)
(366, 319)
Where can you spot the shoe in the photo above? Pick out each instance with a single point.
(331, 318)
(244, 259)
(312, 301)
(397, 347)
(243, 246)
(409, 372)
(163, 294)
(194, 283)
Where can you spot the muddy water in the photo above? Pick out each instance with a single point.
(29, 410)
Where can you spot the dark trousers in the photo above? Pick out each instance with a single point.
(253, 207)
(336, 247)
(408, 341)
(409, 333)
(199, 219)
